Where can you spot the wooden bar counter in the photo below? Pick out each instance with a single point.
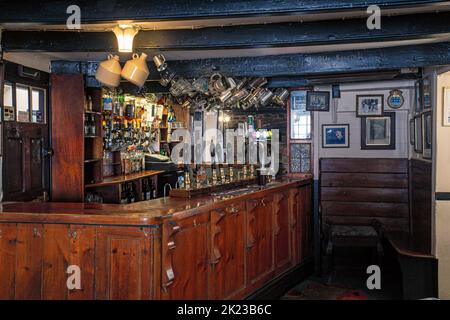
(209, 247)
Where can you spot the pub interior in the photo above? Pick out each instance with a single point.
(206, 150)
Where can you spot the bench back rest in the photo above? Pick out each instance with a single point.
(355, 191)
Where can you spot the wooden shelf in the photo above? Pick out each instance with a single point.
(93, 112)
(92, 137)
(123, 178)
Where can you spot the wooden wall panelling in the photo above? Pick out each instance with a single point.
(55, 261)
(421, 201)
(67, 96)
(260, 259)
(82, 254)
(282, 234)
(8, 240)
(357, 191)
(308, 230)
(123, 263)
(185, 256)
(295, 224)
(29, 262)
(227, 253)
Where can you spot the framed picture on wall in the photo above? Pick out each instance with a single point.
(411, 132)
(418, 107)
(335, 136)
(318, 101)
(418, 134)
(426, 93)
(427, 135)
(446, 108)
(369, 105)
(300, 158)
(378, 133)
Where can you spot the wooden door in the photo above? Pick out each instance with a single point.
(185, 258)
(282, 232)
(25, 170)
(227, 261)
(67, 93)
(124, 263)
(259, 242)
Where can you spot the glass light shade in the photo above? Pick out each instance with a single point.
(125, 36)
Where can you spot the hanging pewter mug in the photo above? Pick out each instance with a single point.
(160, 62)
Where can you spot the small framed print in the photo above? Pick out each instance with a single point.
(418, 101)
(369, 105)
(335, 136)
(446, 107)
(418, 134)
(378, 133)
(411, 132)
(318, 101)
(427, 135)
(426, 93)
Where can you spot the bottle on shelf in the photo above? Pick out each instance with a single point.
(93, 127)
(153, 191)
(87, 126)
(124, 194)
(131, 193)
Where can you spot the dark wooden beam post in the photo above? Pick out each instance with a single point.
(53, 11)
(407, 27)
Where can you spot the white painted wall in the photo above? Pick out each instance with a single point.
(442, 184)
(346, 114)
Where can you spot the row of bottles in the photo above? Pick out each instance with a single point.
(148, 190)
(129, 192)
(90, 127)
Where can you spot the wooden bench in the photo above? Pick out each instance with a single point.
(358, 191)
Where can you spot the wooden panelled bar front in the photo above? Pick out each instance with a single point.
(199, 248)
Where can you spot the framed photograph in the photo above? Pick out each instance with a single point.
(300, 120)
(412, 138)
(418, 134)
(318, 101)
(427, 135)
(378, 133)
(426, 93)
(418, 107)
(369, 105)
(335, 136)
(446, 108)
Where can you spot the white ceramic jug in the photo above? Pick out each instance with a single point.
(108, 72)
(136, 70)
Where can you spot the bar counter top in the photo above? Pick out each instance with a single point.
(144, 213)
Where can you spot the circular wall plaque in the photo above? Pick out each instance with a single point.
(395, 99)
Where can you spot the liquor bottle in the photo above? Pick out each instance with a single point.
(93, 127)
(124, 194)
(148, 191)
(87, 127)
(131, 193)
(153, 190)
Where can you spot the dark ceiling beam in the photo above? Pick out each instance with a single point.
(54, 11)
(407, 27)
(294, 64)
